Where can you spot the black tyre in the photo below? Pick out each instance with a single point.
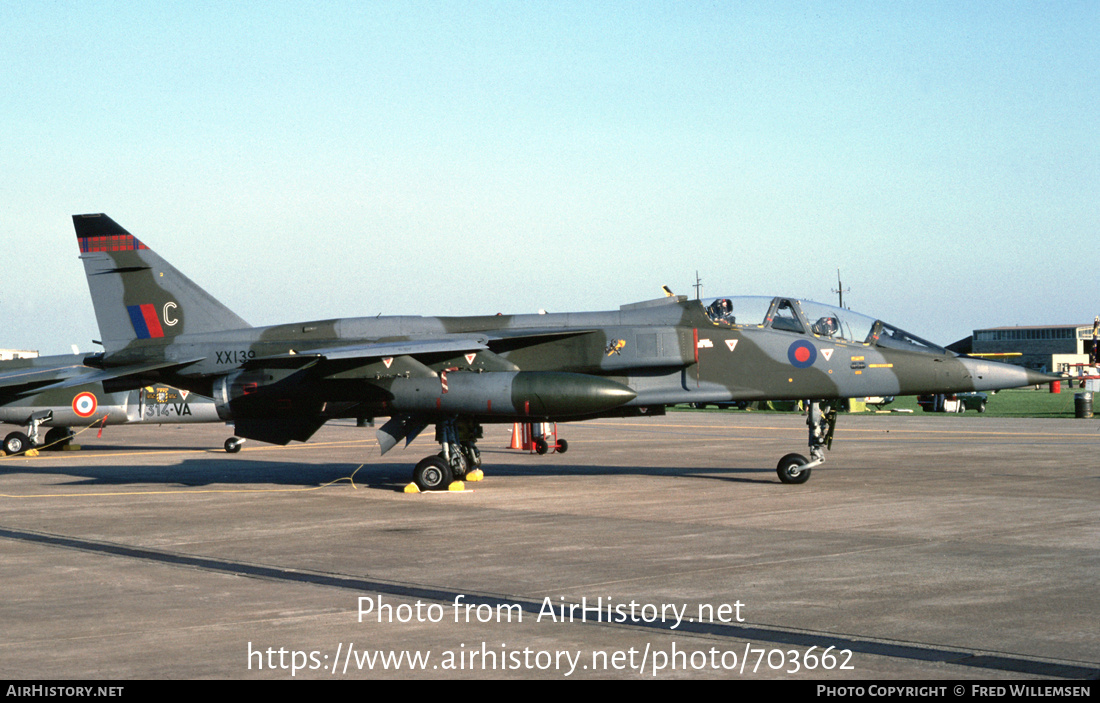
(57, 438)
(17, 443)
(541, 447)
(562, 446)
(432, 474)
(232, 445)
(790, 469)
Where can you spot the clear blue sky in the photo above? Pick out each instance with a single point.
(323, 159)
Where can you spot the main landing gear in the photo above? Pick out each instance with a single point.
(458, 460)
(20, 442)
(821, 421)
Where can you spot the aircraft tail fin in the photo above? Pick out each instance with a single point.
(137, 295)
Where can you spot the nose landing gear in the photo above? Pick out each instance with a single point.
(821, 421)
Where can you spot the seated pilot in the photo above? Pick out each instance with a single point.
(721, 310)
(826, 326)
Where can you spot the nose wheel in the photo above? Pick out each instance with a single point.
(821, 421)
(792, 469)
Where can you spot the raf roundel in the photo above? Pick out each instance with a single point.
(802, 354)
(85, 404)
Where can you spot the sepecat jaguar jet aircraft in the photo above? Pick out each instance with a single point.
(61, 392)
(281, 383)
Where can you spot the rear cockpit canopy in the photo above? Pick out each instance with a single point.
(810, 318)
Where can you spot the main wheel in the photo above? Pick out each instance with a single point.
(790, 469)
(16, 443)
(232, 445)
(432, 474)
(58, 438)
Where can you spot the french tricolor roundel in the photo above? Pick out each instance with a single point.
(85, 404)
(802, 354)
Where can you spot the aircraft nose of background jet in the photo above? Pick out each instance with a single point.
(994, 375)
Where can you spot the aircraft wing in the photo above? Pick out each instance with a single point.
(496, 340)
(30, 379)
(519, 337)
(378, 350)
(137, 373)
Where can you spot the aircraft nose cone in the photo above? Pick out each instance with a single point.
(1036, 378)
(994, 375)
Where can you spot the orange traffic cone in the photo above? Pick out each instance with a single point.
(517, 442)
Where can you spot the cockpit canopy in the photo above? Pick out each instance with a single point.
(810, 318)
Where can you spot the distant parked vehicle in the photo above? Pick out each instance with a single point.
(735, 404)
(879, 401)
(953, 402)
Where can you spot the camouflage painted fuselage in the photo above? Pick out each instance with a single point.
(554, 366)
